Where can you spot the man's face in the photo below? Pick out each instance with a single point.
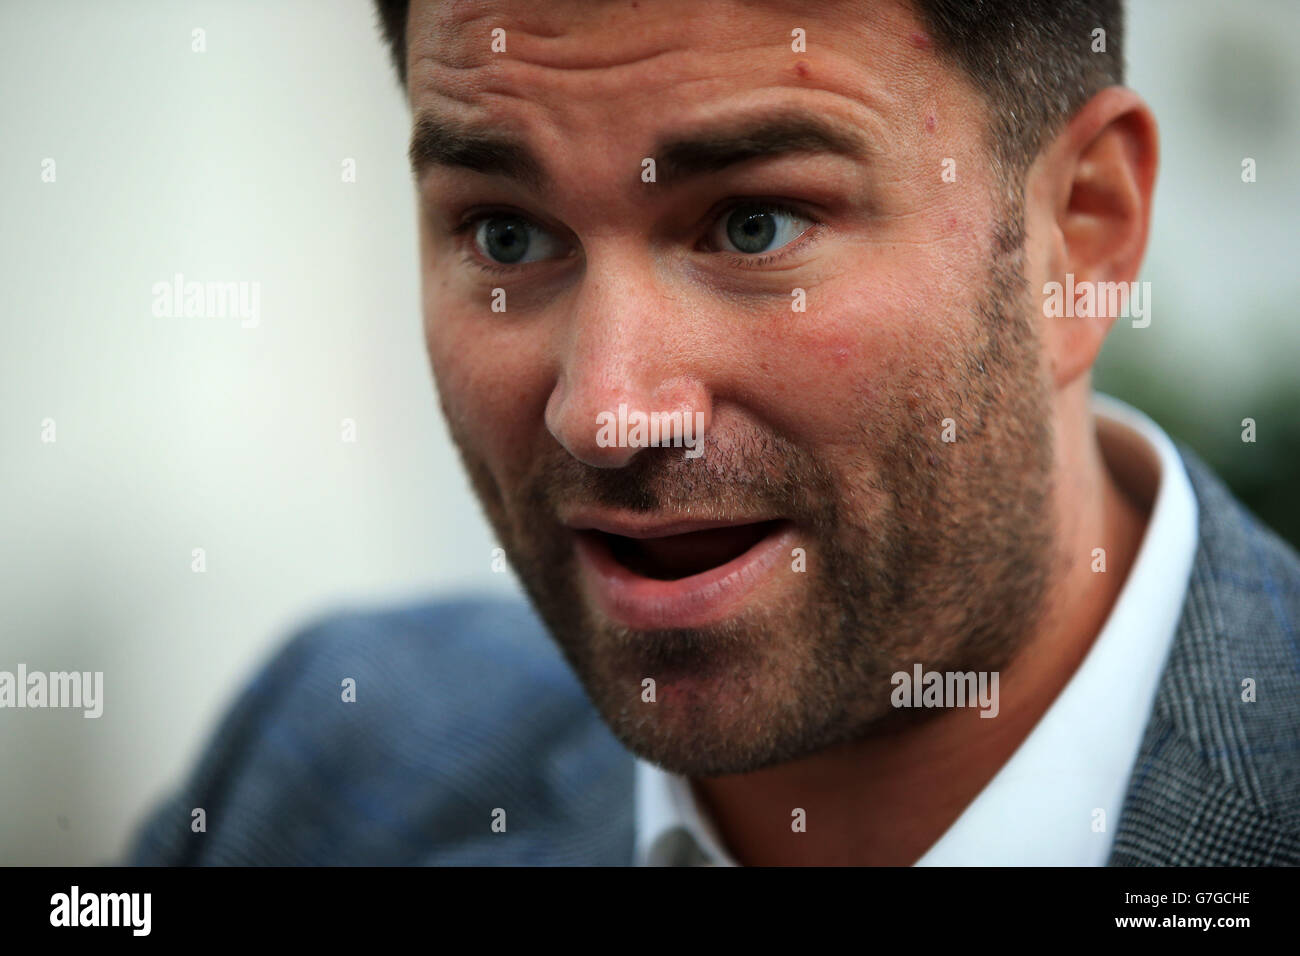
(875, 482)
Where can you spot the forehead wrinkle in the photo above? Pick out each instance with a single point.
(513, 94)
(679, 49)
(561, 48)
(865, 110)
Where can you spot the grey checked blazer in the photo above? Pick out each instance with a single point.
(465, 708)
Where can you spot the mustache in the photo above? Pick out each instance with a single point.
(758, 473)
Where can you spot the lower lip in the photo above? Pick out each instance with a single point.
(642, 603)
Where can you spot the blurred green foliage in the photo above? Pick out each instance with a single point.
(1265, 474)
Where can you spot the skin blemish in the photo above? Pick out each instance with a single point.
(801, 69)
(929, 123)
(919, 40)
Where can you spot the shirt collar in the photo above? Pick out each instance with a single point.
(1056, 802)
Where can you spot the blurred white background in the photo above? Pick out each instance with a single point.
(181, 433)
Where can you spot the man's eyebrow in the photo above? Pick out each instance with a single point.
(443, 142)
(769, 135)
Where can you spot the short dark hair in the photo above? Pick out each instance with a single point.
(1032, 60)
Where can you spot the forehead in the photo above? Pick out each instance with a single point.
(625, 74)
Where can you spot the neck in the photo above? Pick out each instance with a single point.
(885, 800)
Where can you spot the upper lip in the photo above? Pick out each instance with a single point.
(651, 526)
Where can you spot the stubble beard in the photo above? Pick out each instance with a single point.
(929, 553)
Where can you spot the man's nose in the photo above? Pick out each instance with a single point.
(628, 373)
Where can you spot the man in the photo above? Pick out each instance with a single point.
(747, 322)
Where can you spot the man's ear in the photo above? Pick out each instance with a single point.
(1090, 193)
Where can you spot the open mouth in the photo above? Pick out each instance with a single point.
(655, 573)
(676, 556)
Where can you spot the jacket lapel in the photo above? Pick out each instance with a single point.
(1217, 779)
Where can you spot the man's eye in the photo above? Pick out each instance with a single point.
(513, 240)
(754, 228)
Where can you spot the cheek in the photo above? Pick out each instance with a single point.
(489, 377)
(852, 358)
(460, 337)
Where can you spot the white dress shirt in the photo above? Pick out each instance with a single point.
(1057, 801)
